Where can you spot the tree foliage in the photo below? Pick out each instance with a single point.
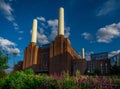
(3, 63)
(3, 60)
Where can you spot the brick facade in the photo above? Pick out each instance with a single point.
(103, 65)
(56, 58)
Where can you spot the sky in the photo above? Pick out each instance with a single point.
(90, 24)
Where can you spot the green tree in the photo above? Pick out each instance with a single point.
(3, 62)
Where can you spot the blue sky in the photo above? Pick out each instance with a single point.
(90, 24)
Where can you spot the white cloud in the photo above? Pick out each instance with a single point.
(41, 18)
(88, 55)
(54, 28)
(87, 36)
(109, 32)
(67, 32)
(8, 46)
(51, 24)
(105, 34)
(44, 25)
(14, 51)
(116, 52)
(21, 31)
(7, 11)
(108, 6)
(42, 38)
(15, 25)
(20, 38)
(10, 18)
(113, 53)
(5, 42)
(31, 31)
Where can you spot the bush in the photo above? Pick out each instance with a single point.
(29, 72)
(19, 80)
(2, 73)
(77, 73)
(28, 80)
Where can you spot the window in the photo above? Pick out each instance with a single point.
(45, 60)
(91, 67)
(74, 68)
(106, 66)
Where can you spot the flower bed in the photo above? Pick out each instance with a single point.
(28, 80)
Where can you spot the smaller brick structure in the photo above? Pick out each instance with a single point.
(103, 65)
(18, 66)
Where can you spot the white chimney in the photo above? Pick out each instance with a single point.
(61, 22)
(83, 53)
(34, 31)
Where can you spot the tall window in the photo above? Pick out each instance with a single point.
(91, 67)
(106, 66)
(45, 61)
(74, 68)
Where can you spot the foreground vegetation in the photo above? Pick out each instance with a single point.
(3, 62)
(28, 80)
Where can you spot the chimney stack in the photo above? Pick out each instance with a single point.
(83, 53)
(61, 22)
(34, 31)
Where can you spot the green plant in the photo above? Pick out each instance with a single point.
(2, 73)
(3, 63)
(28, 80)
(29, 72)
(77, 73)
(19, 80)
(65, 75)
(117, 81)
(68, 84)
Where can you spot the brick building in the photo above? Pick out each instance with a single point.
(59, 56)
(18, 66)
(115, 60)
(56, 57)
(102, 65)
(99, 61)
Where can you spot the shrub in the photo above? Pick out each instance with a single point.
(28, 80)
(117, 81)
(29, 72)
(67, 84)
(19, 80)
(77, 73)
(2, 73)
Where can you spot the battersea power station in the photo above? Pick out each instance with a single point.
(56, 57)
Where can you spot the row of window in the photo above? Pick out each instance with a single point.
(91, 67)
